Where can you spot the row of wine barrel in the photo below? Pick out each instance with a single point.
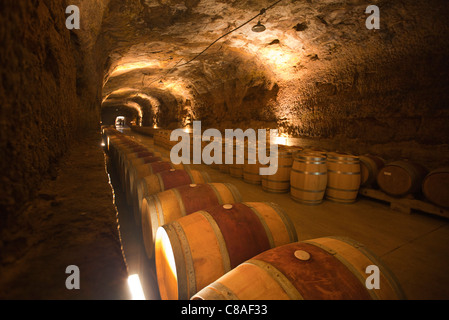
(398, 178)
(208, 244)
(311, 175)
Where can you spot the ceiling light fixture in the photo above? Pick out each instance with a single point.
(258, 27)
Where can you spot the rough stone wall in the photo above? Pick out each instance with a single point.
(393, 87)
(383, 91)
(44, 104)
(237, 94)
(389, 95)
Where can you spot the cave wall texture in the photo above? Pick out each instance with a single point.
(50, 95)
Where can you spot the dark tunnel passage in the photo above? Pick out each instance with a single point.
(336, 86)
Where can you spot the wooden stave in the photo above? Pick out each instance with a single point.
(286, 279)
(161, 208)
(157, 185)
(190, 265)
(310, 196)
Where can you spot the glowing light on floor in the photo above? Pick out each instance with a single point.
(135, 287)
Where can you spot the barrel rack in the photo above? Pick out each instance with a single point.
(405, 205)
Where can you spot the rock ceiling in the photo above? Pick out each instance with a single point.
(153, 40)
(149, 44)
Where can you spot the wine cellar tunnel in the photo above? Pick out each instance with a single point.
(358, 94)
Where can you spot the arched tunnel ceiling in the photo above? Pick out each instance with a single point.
(308, 46)
(152, 37)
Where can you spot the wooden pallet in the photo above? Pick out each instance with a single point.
(405, 205)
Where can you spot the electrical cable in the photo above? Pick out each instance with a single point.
(262, 11)
(227, 33)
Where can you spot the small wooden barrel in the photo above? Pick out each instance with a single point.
(251, 171)
(193, 145)
(329, 268)
(369, 168)
(197, 249)
(224, 168)
(280, 181)
(343, 177)
(216, 152)
(400, 178)
(321, 151)
(163, 181)
(236, 170)
(436, 187)
(138, 172)
(164, 207)
(308, 178)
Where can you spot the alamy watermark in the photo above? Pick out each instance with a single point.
(373, 21)
(372, 281)
(213, 153)
(72, 21)
(73, 280)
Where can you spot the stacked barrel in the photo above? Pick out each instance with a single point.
(308, 177)
(312, 174)
(207, 243)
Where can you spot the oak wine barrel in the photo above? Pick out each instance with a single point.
(436, 187)
(163, 181)
(369, 168)
(197, 249)
(280, 181)
(164, 207)
(138, 172)
(250, 170)
(235, 169)
(400, 178)
(137, 162)
(343, 177)
(330, 268)
(308, 178)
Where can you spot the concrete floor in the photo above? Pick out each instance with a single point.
(415, 247)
